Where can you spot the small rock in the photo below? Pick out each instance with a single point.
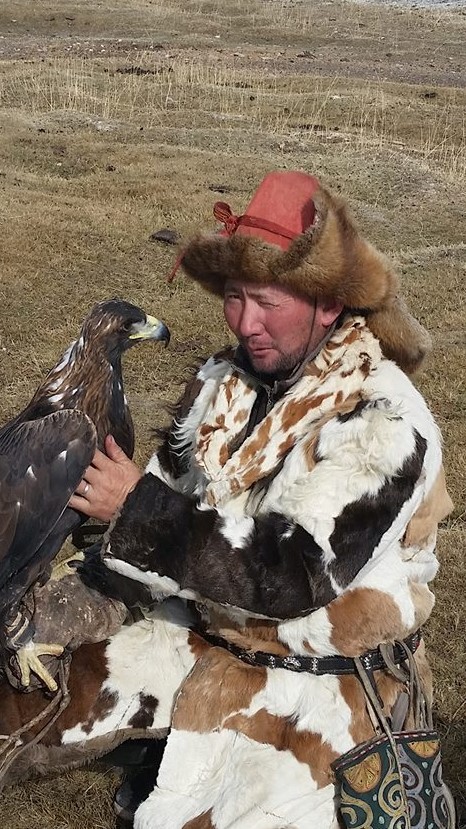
(110, 168)
(429, 94)
(170, 237)
(220, 188)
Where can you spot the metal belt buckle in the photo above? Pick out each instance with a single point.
(292, 663)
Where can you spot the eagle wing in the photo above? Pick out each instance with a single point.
(41, 464)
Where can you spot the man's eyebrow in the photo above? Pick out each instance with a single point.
(254, 293)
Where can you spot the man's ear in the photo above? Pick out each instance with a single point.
(330, 310)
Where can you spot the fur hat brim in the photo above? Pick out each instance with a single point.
(329, 260)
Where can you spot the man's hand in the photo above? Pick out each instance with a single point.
(106, 483)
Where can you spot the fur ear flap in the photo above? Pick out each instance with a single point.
(402, 338)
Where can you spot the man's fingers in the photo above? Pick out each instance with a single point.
(80, 503)
(83, 488)
(99, 461)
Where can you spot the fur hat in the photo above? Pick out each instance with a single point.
(296, 234)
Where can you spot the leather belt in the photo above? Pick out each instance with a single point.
(372, 660)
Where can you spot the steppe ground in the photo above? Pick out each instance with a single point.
(120, 118)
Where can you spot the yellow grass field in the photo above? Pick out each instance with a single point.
(118, 118)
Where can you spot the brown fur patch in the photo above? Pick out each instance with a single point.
(309, 449)
(89, 662)
(201, 822)
(362, 619)
(248, 453)
(229, 388)
(87, 675)
(285, 445)
(255, 634)
(260, 638)
(105, 702)
(423, 601)
(241, 415)
(292, 414)
(436, 506)
(223, 455)
(361, 728)
(280, 732)
(223, 683)
(197, 644)
(388, 687)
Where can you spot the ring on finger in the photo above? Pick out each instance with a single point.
(86, 488)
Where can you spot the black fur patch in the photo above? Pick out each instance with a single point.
(153, 529)
(361, 525)
(144, 717)
(268, 576)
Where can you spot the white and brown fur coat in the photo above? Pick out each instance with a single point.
(314, 535)
(330, 553)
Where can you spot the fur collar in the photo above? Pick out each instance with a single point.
(328, 382)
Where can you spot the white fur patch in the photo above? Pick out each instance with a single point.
(151, 657)
(314, 629)
(358, 456)
(236, 530)
(160, 586)
(154, 468)
(183, 432)
(314, 703)
(248, 785)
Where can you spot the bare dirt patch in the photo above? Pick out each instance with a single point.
(119, 119)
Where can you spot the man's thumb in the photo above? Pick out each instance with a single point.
(114, 452)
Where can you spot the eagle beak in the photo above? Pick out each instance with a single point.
(152, 329)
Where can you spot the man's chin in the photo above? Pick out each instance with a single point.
(264, 363)
(273, 365)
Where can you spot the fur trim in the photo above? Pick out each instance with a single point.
(330, 259)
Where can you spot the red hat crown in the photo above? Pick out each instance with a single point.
(281, 209)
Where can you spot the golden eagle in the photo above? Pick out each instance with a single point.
(44, 452)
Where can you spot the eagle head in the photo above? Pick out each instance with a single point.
(115, 325)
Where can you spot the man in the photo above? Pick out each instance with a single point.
(295, 501)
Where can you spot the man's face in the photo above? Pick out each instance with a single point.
(276, 327)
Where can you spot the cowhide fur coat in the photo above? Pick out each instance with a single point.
(312, 535)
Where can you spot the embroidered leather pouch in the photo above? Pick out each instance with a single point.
(370, 791)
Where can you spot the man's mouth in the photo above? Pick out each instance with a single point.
(258, 349)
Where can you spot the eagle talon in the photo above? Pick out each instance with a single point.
(27, 659)
(63, 568)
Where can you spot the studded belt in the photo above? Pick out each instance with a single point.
(372, 660)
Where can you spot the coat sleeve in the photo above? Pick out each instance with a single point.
(269, 564)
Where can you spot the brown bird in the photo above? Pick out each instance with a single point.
(44, 452)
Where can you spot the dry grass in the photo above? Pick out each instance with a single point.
(118, 122)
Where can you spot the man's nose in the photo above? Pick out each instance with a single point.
(249, 323)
